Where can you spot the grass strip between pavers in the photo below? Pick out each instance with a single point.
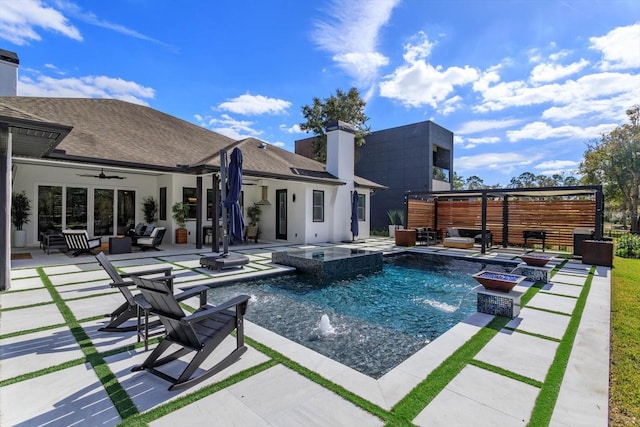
(121, 400)
(412, 404)
(505, 373)
(174, 405)
(401, 414)
(548, 396)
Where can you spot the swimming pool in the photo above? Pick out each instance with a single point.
(370, 323)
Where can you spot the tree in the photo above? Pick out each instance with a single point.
(475, 183)
(458, 181)
(614, 161)
(347, 107)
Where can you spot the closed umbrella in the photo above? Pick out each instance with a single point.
(232, 202)
(354, 215)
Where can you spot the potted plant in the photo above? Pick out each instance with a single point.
(253, 212)
(20, 211)
(180, 214)
(149, 209)
(396, 219)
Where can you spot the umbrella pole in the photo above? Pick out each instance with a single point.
(223, 190)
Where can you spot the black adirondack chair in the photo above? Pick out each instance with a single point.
(133, 303)
(200, 332)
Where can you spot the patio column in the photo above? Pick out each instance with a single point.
(5, 202)
(199, 213)
(505, 221)
(483, 240)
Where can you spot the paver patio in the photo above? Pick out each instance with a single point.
(278, 382)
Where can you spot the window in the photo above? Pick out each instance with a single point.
(362, 213)
(190, 197)
(163, 204)
(318, 206)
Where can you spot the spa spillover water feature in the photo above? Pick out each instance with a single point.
(331, 263)
(371, 322)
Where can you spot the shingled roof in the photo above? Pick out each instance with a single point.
(110, 131)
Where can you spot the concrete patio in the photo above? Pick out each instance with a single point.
(50, 375)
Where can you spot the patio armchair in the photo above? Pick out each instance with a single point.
(199, 333)
(153, 240)
(79, 241)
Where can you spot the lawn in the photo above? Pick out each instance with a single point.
(624, 404)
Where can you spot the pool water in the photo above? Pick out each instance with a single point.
(371, 323)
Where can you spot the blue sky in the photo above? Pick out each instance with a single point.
(524, 85)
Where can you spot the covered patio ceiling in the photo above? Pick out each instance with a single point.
(21, 135)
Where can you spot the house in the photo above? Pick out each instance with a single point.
(414, 157)
(88, 163)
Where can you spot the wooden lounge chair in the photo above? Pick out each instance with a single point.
(153, 240)
(133, 303)
(200, 332)
(79, 241)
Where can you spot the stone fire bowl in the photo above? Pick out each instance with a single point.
(536, 260)
(495, 281)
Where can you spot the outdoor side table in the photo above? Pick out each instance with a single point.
(119, 245)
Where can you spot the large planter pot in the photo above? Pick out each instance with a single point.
(20, 238)
(392, 231)
(181, 235)
(405, 237)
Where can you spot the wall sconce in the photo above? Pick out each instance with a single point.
(294, 197)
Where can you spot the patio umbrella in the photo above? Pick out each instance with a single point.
(354, 215)
(232, 202)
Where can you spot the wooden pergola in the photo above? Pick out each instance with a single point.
(510, 212)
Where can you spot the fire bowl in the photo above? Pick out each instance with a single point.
(536, 260)
(498, 281)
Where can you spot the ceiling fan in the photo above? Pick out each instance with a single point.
(102, 176)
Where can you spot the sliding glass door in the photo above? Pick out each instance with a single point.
(103, 208)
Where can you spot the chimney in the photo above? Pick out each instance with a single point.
(340, 150)
(8, 73)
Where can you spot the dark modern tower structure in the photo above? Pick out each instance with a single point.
(416, 157)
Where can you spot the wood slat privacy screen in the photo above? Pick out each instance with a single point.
(557, 217)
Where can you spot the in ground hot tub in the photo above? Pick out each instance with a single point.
(331, 263)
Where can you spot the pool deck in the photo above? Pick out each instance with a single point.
(45, 378)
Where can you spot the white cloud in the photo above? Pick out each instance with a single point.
(503, 162)
(619, 48)
(417, 82)
(350, 34)
(543, 73)
(557, 164)
(228, 126)
(474, 142)
(279, 144)
(20, 19)
(90, 18)
(450, 105)
(541, 131)
(255, 104)
(591, 86)
(476, 126)
(85, 87)
(291, 129)
(558, 167)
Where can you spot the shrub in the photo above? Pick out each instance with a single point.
(628, 246)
